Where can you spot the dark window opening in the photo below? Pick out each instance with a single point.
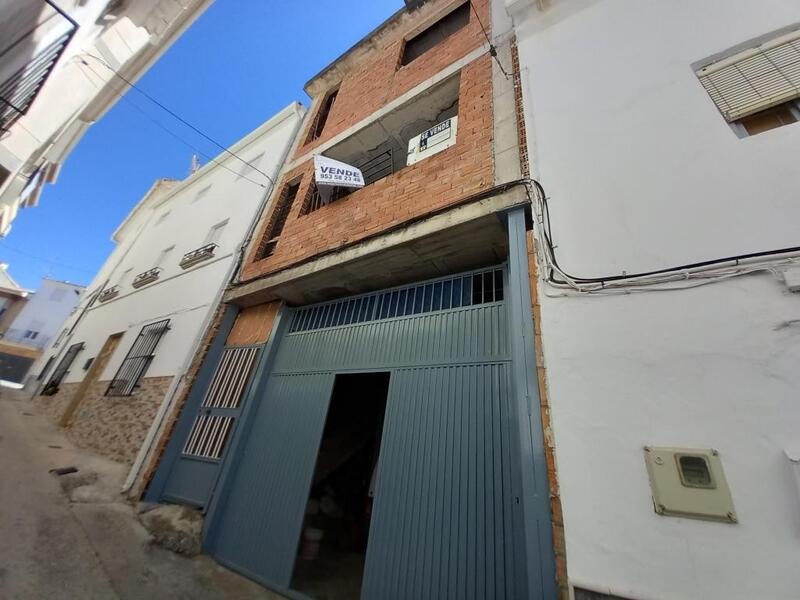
(278, 219)
(322, 116)
(435, 34)
(137, 360)
(772, 118)
(62, 369)
(333, 541)
(88, 363)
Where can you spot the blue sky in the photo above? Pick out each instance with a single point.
(241, 62)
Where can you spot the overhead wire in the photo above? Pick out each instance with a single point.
(4, 246)
(670, 278)
(492, 48)
(164, 128)
(177, 116)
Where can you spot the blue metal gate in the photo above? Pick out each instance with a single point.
(447, 520)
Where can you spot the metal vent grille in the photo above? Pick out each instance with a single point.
(208, 436)
(210, 430)
(138, 359)
(443, 294)
(230, 378)
(756, 79)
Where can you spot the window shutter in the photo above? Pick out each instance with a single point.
(755, 79)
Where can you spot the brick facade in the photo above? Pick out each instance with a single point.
(432, 184)
(379, 80)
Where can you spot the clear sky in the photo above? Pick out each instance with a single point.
(240, 63)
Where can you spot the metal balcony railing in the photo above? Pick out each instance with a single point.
(374, 169)
(108, 293)
(148, 276)
(199, 255)
(18, 92)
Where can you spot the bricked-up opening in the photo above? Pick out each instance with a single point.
(381, 148)
(435, 34)
(278, 219)
(322, 116)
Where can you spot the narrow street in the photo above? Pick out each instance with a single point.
(56, 548)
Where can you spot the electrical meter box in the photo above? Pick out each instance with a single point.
(689, 482)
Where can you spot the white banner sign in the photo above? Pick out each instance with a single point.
(332, 172)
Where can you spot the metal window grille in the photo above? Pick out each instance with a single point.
(444, 294)
(137, 360)
(374, 169)
(19, 91)
(62, 368)
(43, 373)
(210, 431)
(278, 219)
(756, 79)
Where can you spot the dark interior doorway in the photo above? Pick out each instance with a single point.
(333, 543)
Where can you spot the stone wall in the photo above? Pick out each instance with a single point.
(54, 406)
(116, 426)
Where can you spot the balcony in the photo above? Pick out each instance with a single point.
(202, 253)
(381, 148)
(108, 294)
(26, 63)
(149, 276)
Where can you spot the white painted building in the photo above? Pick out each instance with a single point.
(643, 172)
(176, 251)
(41, 319)
(59, 63)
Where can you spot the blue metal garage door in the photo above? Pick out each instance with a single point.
(446, 520)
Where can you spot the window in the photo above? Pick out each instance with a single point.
(201, 194)
(62, 369)
(435, 34)
(747, 85)
(162, 217)
(278, 219)
(125, 278)
(215, 233)
(772, 118)
(164, 256)
(30, 334)
(250, 166)
(694, 471)
(88, 364)
(57, 295)
(322, 116)
(138, 359)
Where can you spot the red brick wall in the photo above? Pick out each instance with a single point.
(381, 79)
(434, 183)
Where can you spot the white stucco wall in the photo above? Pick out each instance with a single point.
(45, 312)
(186, 297)
(643, 173)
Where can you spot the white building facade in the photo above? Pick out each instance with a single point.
(664, 135)
(41, 319)
(62, 66)
(129, 346)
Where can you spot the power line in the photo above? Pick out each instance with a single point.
(5, 246)
(176, 116)
(492, 49)
(173, 134)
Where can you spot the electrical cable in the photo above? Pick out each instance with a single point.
(492, 49)
(171, 133)
(4, 246)
(726, 267)
(175, 115)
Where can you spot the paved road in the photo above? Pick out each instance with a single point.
(51, 548)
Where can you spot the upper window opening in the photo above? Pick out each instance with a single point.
(201, 194)
(278, 219)
(694, 471)
(162, 217)
(215, 233)
(322, 116)
(435, 34)
(756, 89)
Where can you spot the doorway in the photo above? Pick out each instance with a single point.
(92, 375)
(333, 542)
